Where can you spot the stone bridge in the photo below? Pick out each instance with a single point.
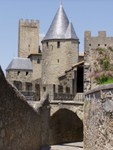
(66, 120)
(73, 106)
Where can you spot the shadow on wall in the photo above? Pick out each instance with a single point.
(65, 127)
(20, 124)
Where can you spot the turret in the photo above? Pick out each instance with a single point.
(60, 48)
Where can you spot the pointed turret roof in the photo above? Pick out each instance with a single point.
(70, 32)
(58, 26)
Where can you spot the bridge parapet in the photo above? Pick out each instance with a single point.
(79, 97)
(56, 95)
(63, 96)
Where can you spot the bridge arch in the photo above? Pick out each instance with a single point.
(65, 126)
(77, 109)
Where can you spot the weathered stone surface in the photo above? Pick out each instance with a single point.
(98, 119)
(20, 124)
(55, 61)
(91, 43)
(28, 29)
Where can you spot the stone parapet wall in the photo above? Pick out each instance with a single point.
(101, 40)
(98, 118)
(19, 75)
(21, 126)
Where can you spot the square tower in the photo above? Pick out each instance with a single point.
(28, 37)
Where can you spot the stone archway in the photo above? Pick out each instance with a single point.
(65, 126)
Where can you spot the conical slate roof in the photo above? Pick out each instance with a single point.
(59, 26)
(70, 32)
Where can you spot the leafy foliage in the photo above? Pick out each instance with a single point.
(103, 72)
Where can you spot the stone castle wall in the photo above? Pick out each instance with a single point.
(28, 38)
(55, 61)
(91, 43)
(21, 126)
(98, 118)
(22, 75)
(37, 65)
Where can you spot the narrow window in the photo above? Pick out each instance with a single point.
(89, 44)
(105, 44)
(18, 72)
(26, 73)
(39, 49)
(47, 44)
(67, 90)
(58, 60)
(38, 61)
(98, 44)
(44, 88)
(58, 44)
(29, 47)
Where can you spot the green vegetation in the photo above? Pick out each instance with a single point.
(104, 79)
(103, 72)
(108, 81)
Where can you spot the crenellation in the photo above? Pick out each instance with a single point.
(21, 21)
(102, 34)
(27, 22)
(87, 34)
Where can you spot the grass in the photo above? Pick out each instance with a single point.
(109, 81)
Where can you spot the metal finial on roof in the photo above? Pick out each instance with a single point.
(60, 2)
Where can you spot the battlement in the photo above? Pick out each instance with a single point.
(87, 34)
(27, 22)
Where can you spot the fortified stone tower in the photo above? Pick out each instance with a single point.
(60, 48)
(92, 43)
(28, 37)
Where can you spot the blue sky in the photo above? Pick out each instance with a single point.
(94, 15)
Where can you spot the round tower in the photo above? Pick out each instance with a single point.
(60, 48)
